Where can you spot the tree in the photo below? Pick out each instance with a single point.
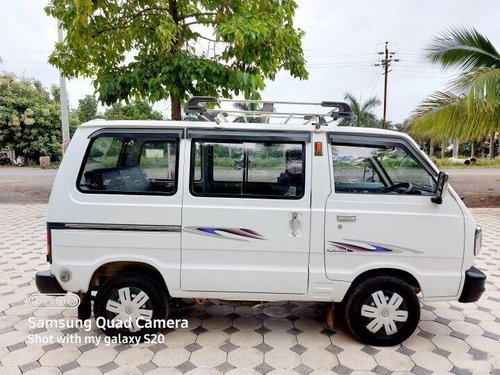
(136, 110)
(29, 117)
(396, 126)
(470, 108)
(87, 108)
(362, 111)
(249, 107)
(155, 49)
(86, 111)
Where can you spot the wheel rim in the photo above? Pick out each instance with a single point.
(384, 309)
(129, 304)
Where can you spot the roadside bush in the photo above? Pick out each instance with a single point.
(29, 118)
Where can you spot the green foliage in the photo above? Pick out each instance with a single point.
(480, 163)
(471, 107)
(153, 49)
(249, 107)
(444, 115)
(464, 48)
(87, 108)
(29, 117)
(74, 122)
(135, 110)
(86, 111)
(363, 112)
(396, 126)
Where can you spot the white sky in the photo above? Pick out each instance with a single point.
(341, 44)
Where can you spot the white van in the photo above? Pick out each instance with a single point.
(143, 212)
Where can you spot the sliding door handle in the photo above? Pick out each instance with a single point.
(295, 224)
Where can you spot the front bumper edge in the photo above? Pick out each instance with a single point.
(473, 285)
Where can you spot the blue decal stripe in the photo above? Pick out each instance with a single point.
(209, 231)
(380, 248)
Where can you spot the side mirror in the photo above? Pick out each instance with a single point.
(441, 186)
(368, 174)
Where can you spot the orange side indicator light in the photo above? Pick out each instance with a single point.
(318, 148)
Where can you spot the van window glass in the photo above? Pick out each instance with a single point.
(379, 170)
(130, 165)
(248, 169)
(158, 160)
(227, 162)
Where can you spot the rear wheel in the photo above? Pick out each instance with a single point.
(85, 306)
(382, 311)
(130, 304)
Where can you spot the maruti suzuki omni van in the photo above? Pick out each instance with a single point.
(143, 212)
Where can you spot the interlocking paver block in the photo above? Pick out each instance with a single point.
(357, 360)
(282, 358)
(318, 359)
(245, 357)
(208, 357)
(171, 357)
(277, 338)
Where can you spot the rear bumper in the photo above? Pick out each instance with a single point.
(47, 283)
(473, 285)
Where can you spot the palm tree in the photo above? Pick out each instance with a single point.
(470, 108)
(364, 116)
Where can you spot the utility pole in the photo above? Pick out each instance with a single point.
(64, 98)
(386, 63)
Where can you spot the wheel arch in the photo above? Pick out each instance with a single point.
(403, 275)
(111, 269)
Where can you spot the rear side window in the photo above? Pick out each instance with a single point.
(248, 169)
(117, 164)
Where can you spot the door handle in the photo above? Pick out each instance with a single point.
(295, 224)
(346, 218)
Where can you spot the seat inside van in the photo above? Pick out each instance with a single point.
(131, 179)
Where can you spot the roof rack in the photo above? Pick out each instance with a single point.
(205, 107)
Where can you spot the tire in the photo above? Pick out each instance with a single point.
(382, 311)
(134, 296)
(85, 306)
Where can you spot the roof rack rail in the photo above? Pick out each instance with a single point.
(205, 108)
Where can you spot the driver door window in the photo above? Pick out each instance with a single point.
(379, 169)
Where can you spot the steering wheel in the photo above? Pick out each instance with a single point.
(406, 187)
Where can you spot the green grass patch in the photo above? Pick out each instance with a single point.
(480, 163)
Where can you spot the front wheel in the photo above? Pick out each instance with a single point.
(382, 311)
(130, 304)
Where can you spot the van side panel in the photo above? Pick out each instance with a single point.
(403, 232)
(81, 251)
(235, 244)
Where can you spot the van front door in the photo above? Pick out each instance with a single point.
(380, 215)
(246, 217)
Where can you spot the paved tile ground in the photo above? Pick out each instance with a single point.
(277, 339)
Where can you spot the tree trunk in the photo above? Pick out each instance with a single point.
(456, 143)
(175, 109)
(492, 145)
(431, 149)
(443, 148)
(472, 149)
